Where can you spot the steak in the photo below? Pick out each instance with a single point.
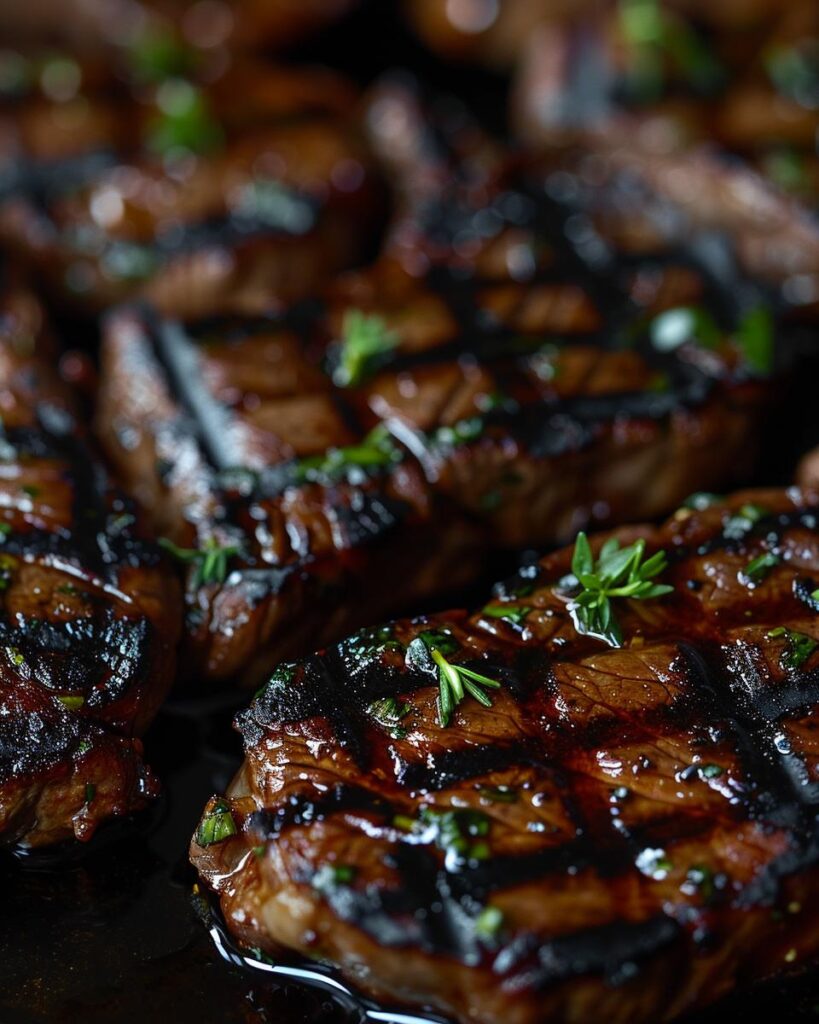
(540, 812)
(499, 377)
(192, 200)
(89, 611)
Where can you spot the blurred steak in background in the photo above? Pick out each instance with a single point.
(130, 181)
(507, 372)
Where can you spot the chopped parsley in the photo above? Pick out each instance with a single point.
(618, 573)
(90, 792)
(211, 561)
(217, 825)
(799, 646)
(366, 342)
(710, 771)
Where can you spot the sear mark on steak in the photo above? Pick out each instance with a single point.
(89, 611)
(625, 833)
(515, 393)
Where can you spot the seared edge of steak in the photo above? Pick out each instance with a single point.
(89, 610)
(626, 832)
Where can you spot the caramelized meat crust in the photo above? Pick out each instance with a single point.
(500, 376)
(626, 833)
(177, 193)
(89, 611)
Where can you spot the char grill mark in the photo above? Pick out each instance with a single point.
(645, 808)
(262, 217)
(509, 404)
(89, 612)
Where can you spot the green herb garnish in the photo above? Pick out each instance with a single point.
(388, 712)
(755, 336)
(376, 451)
(217, 825)
(365, 343)
(461, 834)
(211, 561)
(72, 702)
(455, 682)
(741, 523)
(618, 573)
(90, 792)
(758, 568)
(799, 647)
(185, 124)
(488, 923)
(511, 613)
(331, 876)
(710, 771)
(701, 500)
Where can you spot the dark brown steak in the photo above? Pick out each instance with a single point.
(625, 834)
(89, 613)
(184, 194)
(503, 375)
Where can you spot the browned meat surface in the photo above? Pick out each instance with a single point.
(503, 375)
(175, 192)
(684, 79)
(625, 834)
(89, 614)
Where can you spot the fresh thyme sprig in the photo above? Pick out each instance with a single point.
(455, 682)
(618, 572)
(211, 560)
(365, 341)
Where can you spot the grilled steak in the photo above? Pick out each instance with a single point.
(504, 374)
(188, 197)
(90, 615)
(625, 834)
(752, 93)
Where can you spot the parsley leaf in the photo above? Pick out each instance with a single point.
(618, 572)
(755, 336)
(218, 824)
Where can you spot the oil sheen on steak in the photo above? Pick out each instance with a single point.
(624, 835)
(89, 613)
(524, 385)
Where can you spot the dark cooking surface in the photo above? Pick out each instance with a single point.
(111, 934)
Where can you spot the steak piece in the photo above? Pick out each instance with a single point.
(180, 193)
(503, 375)
(625, 834)
(89, 612)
